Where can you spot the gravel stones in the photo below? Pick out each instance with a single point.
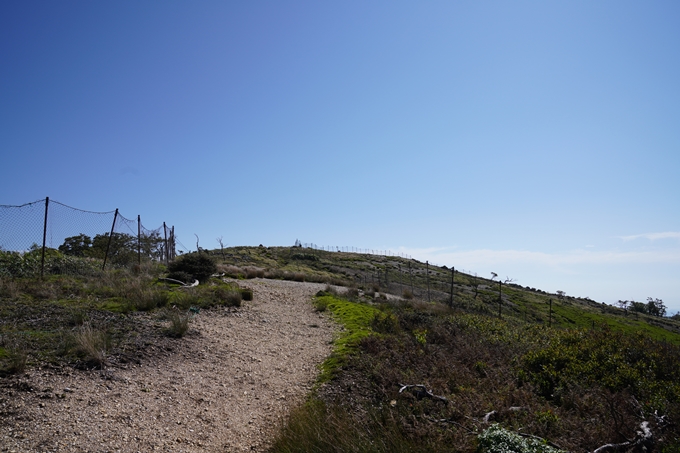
(223, 387)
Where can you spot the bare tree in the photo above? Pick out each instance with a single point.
(198, 249)
(219, 240)
(475, 283)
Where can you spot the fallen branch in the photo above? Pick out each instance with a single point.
(488, 415)
(184, 285)
(643, 438)
(423, 391)
(452, 422)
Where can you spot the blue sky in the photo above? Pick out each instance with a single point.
(537, 140)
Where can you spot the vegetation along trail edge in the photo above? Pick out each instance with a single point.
(222, 387)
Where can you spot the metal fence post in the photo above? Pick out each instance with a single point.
(427, 267)
(108, 246)
(453, 271)
(165, 233)
(172, 243)
(42, 260)
(139, 240)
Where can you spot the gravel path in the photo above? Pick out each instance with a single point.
(222, 388)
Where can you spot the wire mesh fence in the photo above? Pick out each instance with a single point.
(350, 249)
(47, 236)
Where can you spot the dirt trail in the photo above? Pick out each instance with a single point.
(222, 388)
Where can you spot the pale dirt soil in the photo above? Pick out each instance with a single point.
(224, 387)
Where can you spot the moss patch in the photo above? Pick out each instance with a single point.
(356, 319)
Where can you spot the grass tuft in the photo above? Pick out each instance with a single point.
(179, 323)
(93, 343)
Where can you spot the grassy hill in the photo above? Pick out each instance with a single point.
(419, 367)
(412, 278)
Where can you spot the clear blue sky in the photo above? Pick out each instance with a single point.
(538, 140)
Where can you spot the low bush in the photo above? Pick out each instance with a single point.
(304, 257)
(231, 271)
(148, 299)
(320, 303)
(187, 298)
(254, 272)
(352, 294)
(230, 297)
(498, 440)
(247, 294)
(199, 265)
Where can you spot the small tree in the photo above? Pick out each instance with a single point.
(76, 245)
(656, 307)
(123, 248)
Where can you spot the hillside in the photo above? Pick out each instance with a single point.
(471, 293)
(416, 370)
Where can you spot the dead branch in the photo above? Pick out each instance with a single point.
(184, 285)
(423, 391)
(643, 438)
(488, 416)
(452, 422)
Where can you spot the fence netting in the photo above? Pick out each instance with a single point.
(49, 237)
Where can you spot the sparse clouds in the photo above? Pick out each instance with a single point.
(653, 236)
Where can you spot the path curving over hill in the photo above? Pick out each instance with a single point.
(222, 388)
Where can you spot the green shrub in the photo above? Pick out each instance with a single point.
(321, 303)
(247, 294)
(304, 257)
(199, 265)
(227, 295)
(185, 299)
(498, 440)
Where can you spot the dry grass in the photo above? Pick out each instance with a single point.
(14, 358)
(231, 271)
(254, 272)
(93, 343)
(179, 323)
(143, 298)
